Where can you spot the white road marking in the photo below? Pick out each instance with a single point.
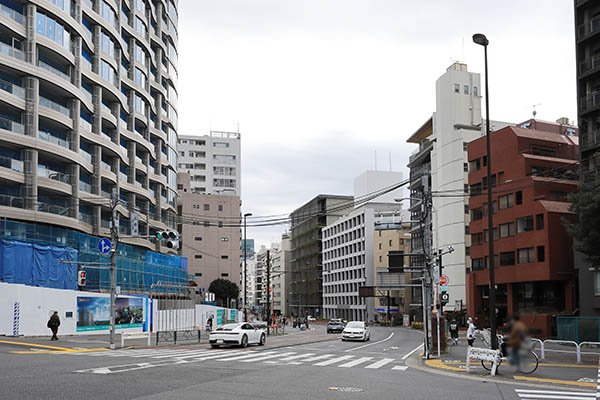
(355, 362)
(380, 363)
(296, 357)
(371, 344)
(262, 357)
(549, 394)
(212, 357)
(246, 355)
(400, 368)
(318, 357)
(412, 351)
(332, 361)
(184, 354)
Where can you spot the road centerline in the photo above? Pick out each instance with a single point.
(371, 344)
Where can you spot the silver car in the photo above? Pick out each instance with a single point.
(356, 330)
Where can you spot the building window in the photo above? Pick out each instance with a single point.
(456, 88)
(540, 254)
(597, 283)
(198, 274)
(506, 201)
(519, 197)
(466, 209)
(198, 238)
(464, 146)
(539, 221)
(390, 243)
(486, 235)
(477, 214)
(198, 256)
(507, 230)
(475, 94)
(220, 207)
(224, 239)
(466, 167)
(380, 259)
(224, 257)
(220, 224)
(224, 275)
(467, 251)
(379, 246)
(477, 264)
(525, 224)
(474, 165)
(507, 258)
(205, 223)
(466, 229)
(526, 255)
(466, 89)
(220, 144)
(477, 239)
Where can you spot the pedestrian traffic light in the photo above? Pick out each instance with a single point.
(81, 278)
(172, 238)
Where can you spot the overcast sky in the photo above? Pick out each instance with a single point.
(319, 86)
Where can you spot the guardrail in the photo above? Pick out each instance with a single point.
(577, 346)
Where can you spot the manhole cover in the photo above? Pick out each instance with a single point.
(345, 389)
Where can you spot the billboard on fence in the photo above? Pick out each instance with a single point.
(93, 313)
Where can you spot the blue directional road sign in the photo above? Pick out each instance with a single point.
(104, 246)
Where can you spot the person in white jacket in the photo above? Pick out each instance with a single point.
(471, 331)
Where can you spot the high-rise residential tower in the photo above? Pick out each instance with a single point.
(88, 105)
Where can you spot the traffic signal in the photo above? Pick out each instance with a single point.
(81, 278)
(172, 238)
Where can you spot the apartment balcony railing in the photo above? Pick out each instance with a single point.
(12, 88)
(589, 65)
(44, 102)
(54, 175)
(53, 70)
(11, 125)
(104, 223)
(590, 101)
(85, 187)
(52, 208)
(11, 51)
(53, 139)
(86, 218)
(105, 166)
(85, 125)
(11, 163)
(86, 156)
(12, 14)
(122, 177)
(11, 201)
(86, 64)
(588, 28)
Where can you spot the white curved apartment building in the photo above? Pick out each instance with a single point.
(88, 103)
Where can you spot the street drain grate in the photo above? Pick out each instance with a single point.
(345, 389)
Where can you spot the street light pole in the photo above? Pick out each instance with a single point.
(245, 270)
(480, 39)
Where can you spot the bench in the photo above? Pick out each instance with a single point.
(134, 335)
(481, 354)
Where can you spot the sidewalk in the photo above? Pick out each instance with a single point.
(558, 368)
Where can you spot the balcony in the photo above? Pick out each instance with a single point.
(53, 70)
(589, 65)
(86, 156)
(85, 125)
(11, 163)
(86, 64)
(11, 125)
(86, 218)
(54, 175)
(12, 14)
(105, 166)
(588, 28)
(44, 102)
(11, 201)
(589, 102)
(53, 139)
(85, 187)
(122, 177)
(12, 88)
(11, 51)
(52, 208)
(104, 223)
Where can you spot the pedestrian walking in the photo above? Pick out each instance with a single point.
(518, 333)
(209, 323)
(454, 332)
(471, 331)
(306, 323)
(53, 324)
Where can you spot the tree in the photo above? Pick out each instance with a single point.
(585, 229)
(223, 290)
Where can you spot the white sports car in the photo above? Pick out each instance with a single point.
(241, 334)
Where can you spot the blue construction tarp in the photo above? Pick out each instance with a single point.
(38, 265)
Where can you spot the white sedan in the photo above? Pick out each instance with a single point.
(241, 334)
(356, 330)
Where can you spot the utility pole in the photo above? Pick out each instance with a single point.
(388, 308)
(245, 270)
(114, 237)
(268, 305)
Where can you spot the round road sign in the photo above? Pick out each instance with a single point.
(443, 280)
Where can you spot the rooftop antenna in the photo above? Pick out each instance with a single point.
(534, 111)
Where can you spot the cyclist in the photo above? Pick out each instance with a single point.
(517, 335)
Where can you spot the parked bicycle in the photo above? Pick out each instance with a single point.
(528, 360)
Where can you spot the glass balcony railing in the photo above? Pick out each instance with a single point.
(105, 194)
(163, 199)
(86, 156)
(86, 218)
(105, 166)
(44, 102)
(12, 88)
(124, 202)
(12, 14)
(590, 64)
(88, 34)
(11, 201)
(106, 108)
(11, 163)
(122, 124)
(53, 70)
(123, 151)
(139, 184)
(588, 28)
(11, 125)
(590, 101)
(137, 159)
(105, 136)
(53, 139)
(11, 51)
(88, 95)
(52, 208)
(85, 187)
(86, 64)
(152, 194)
(54, 175)
(85, 125)
(122, 177)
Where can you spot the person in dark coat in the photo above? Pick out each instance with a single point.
(53, 324)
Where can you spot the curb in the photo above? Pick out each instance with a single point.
(416, 362)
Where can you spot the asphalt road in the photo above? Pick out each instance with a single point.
(328, 369)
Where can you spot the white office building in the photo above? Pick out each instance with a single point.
(348, 249)
(213, 162)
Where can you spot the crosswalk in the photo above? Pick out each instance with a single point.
(162, 357)
(528, 394)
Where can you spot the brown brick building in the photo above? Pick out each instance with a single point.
(534, 167)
